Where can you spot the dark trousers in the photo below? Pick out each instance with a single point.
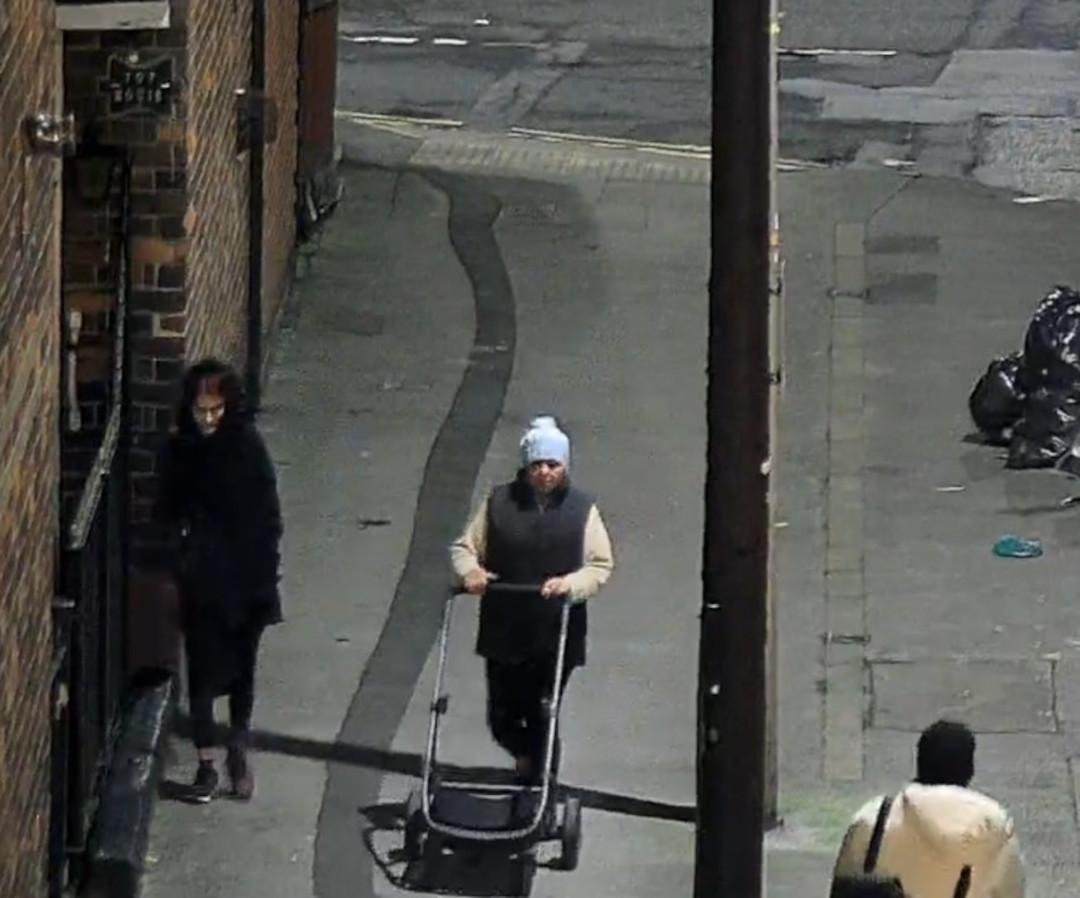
(243, 648)
(516, 712)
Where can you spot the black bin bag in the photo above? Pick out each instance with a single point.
(997, 400)
(1047, 429)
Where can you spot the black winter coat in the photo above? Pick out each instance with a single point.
(219, 493)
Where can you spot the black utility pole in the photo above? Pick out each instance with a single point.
(732, 674)
(776, 365)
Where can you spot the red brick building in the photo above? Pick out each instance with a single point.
(29, 442)
(150, 175)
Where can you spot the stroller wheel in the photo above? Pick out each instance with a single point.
(571, 834)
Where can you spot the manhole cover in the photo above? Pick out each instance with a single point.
(989, 695)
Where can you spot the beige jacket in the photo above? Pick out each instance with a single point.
(467, 553)
(931, 834)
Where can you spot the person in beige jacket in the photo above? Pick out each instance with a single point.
(941, 839)
(537, 530)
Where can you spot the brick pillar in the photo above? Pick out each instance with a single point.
(188, 225)
(29, 450)
(157, 237)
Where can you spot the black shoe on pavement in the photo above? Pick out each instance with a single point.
(204, 787)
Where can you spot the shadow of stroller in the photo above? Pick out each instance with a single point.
(479, 871)
(484, 872)
(386, 818)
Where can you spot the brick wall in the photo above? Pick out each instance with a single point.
(189, 222)
(282, 55)
(29, 466)
(158, 241)
(219, 63)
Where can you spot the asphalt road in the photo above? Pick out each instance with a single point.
(631, 69)
(957, 88)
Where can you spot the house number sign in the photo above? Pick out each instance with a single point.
(137, 86)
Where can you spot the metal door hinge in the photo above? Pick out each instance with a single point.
(61, 700)
(50, 133)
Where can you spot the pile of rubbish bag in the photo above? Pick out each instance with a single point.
(1030, 400)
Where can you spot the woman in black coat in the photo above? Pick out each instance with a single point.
(219, 495)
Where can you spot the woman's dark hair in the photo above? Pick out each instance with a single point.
(946, 755)
(221, 379)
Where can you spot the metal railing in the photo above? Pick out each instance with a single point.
(90, 626)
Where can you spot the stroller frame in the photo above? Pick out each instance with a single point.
(422, 822)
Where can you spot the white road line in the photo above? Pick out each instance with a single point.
(379, 39)
(406, 41)
(827, 51)
(666, 151)
(695, 152)
(610, 141)
(375, 118)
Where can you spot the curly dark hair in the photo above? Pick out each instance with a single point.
(946, 755)
(220, 378)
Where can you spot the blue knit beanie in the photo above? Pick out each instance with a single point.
(543, 441)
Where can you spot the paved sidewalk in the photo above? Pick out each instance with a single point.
(445, 307)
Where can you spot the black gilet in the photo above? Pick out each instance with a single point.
(526, 544)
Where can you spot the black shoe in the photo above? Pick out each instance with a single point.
(241, 778)
(204, 787)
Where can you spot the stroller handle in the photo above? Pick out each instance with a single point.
(439, 707)
(520, 588)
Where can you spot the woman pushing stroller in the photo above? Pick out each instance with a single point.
(537, 529)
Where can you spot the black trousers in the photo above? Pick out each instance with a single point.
(232, 674)
(516, 712)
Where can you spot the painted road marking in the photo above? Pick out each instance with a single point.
(379, 39)
(692, 152)
(376, 118)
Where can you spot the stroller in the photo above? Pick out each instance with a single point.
(488, 819)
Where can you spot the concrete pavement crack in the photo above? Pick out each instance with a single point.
(512, 97)
(342, 867)
(884, 204)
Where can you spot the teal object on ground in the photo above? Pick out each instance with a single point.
(1014, 547)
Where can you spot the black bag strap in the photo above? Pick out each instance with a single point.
(963, 883)
(877, 835)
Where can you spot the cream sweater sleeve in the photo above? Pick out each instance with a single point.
(467, 551)
(1010, 880)
(599, 560)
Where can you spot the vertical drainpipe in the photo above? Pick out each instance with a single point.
(256, 158)
(124, 398)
